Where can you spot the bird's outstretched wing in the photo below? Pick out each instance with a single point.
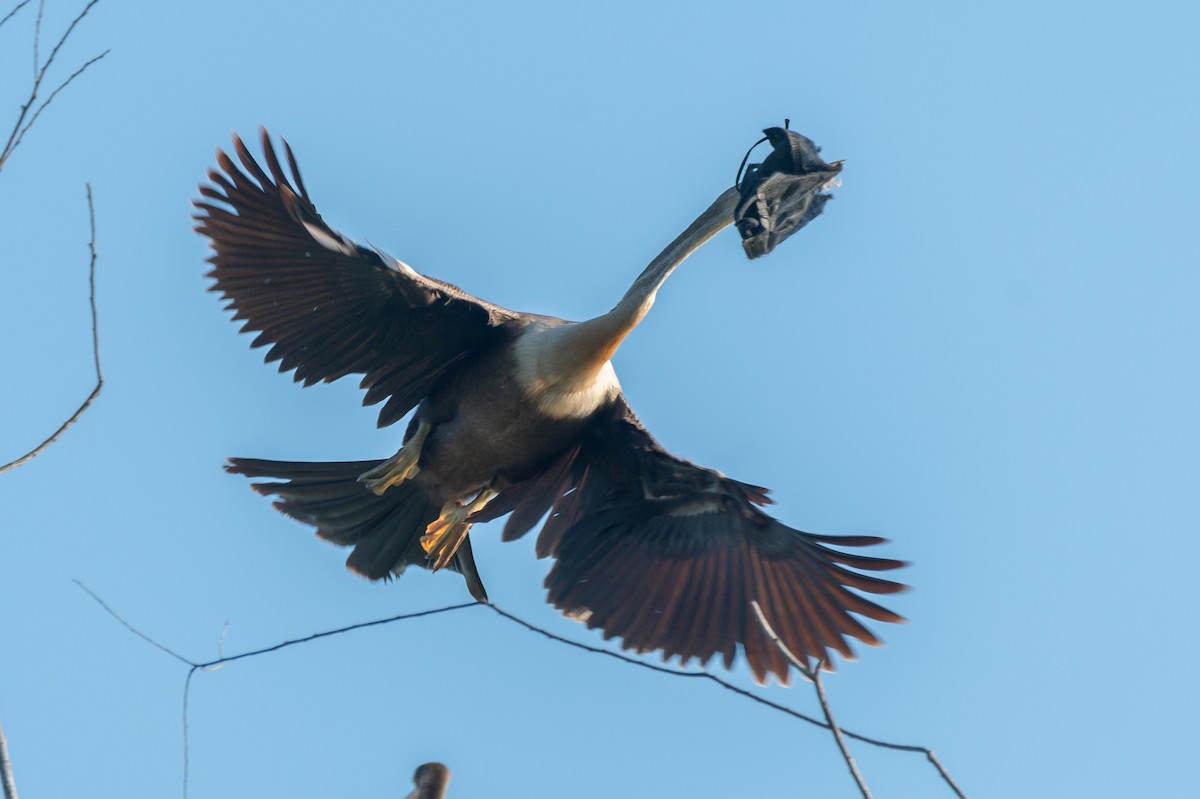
(668, 555)
(329, 306)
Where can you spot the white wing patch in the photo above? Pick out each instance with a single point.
(397, 264)
(327, 241)
(696, 506)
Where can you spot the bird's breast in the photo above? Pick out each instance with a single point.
(498, 417)
(574, 391)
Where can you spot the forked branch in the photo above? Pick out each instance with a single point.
(211, 665)
(813, 673)
(24, 122)
(31, 109)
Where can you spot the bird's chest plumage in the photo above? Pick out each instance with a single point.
(488, 422)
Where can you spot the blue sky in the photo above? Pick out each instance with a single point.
(984, 350)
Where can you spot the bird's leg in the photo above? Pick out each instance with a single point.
(401, 466)
(445, 534)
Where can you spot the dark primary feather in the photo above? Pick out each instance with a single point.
(328, 306)
(669, 555)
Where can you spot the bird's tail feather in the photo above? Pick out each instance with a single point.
(385, 530)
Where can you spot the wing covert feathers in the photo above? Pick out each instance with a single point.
(667, 555)
(327, 306)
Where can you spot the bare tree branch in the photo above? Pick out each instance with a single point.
(937, 764)
(21, 135)
(20, 128)
(37, 38)
(6, 777)
(703, 675)
(28, 456)
(23, 124)
(24, 121)
(131, 628)
(361, 625)
(212, 665)
(837, 733)
(814, 674)
(12, 13)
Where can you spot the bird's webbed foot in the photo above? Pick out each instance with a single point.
(445, 534)
(401, 466)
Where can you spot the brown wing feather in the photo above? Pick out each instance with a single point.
(667, 555)
(327, 306)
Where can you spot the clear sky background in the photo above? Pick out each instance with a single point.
(985, 350)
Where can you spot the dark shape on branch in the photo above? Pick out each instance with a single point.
(430, 781)
(783, 193)
(519, 414)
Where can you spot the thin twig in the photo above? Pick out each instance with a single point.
(21, 134)
(703, 675)
(130, 627)
(6, 775)
(67, 34)
(187, 687)
(21, 126)
(814, 674)
(95, 350)
(937, 764)
(39, 72)
(837, 734)
(220, 648)
(37, 39)
(13, 13)
(327, 633)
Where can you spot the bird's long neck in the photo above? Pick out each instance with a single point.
(580, 351)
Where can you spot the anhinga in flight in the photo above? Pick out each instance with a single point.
(522, 414)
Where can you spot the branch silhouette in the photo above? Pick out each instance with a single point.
(40, 448)
(23, 124)
(212, 665)
(813, 673)
(14, 11)
(6, 775)
(31, 110)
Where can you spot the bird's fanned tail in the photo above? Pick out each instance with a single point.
(385, 530)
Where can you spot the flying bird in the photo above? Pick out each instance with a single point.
(522, 415)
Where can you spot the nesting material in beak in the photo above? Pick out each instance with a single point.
(784, 192)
